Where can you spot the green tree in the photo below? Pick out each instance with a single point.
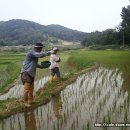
(2, 42)
(106, 37)
(109, 37)
(125, 17)
(125, 24)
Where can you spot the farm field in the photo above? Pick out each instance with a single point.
(102, 94)
(9, 69)
(72, 61)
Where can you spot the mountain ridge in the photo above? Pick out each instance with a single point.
(22, 32)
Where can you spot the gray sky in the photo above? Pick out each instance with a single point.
(82, 15)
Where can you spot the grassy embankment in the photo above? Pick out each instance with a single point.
(119, 59)
(71, 62)
(9, 69)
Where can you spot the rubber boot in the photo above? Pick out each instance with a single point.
(27, 87)
(30, 98)
(51, 78)
(58, 78)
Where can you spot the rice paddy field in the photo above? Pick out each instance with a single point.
(71, 61)
(94, 101)
(9, 69)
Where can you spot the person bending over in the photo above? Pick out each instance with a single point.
(28, 71)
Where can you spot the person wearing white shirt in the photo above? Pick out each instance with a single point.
(54, 67)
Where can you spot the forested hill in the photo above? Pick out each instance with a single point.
(65, 33)
(22, 32)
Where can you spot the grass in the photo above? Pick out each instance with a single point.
(79, 61)
(8, 75)
(71, 61)
(10, 65)
(105, 47)
(110, 59)
(118, 59)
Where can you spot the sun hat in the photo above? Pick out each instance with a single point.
(55, 49)
(39, 45)
(52, 52)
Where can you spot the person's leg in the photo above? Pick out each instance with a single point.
(28, 83)
(58, 74)
(52, 75)
(27, 87)
(30, 100)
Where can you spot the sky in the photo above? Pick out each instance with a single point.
(81, 15)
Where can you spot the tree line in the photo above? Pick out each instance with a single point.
(119, 36)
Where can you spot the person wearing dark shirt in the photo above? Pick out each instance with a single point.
(28, 71)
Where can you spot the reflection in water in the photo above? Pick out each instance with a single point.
(30, 122)
(95, 97)
(57, 105)
(17, 90)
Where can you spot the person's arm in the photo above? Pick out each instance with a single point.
(39, 54)
(39, 66)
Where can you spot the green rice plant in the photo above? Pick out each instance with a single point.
(118, 59)
(9, 69)
(104, 47)
(9, 75)
(79, 61)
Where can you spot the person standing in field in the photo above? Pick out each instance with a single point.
(54, 67)
(28, 71)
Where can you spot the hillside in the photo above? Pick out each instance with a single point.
(64, 33)
(23, 32)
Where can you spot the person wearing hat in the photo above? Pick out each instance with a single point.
(28, 71)
(54, 67)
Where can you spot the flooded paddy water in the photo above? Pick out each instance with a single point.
(17, 90)
(96, 98)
